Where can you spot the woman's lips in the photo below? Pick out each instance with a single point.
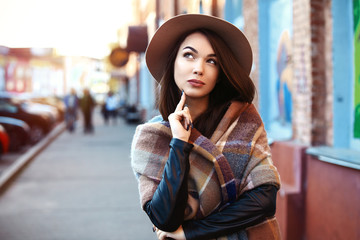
(196, 83)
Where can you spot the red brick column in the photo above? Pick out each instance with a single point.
(319, 47)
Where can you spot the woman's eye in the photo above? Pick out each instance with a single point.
(188, 55)
(212, 61)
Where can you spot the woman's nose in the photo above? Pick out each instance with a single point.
(198, 68)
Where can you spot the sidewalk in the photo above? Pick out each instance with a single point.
(80, 187)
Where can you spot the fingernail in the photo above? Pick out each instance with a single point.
(187, 128)
(191, 124)
(182, 92)
(185, 105)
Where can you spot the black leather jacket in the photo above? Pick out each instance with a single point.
(166, 208)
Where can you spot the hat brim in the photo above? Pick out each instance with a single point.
(164, 39)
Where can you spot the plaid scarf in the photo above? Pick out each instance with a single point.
(235, 159)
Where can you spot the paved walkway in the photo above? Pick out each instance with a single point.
(81, 187)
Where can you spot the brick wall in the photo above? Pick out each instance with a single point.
(312, 44)
(329, 73)
(302, 71)
(319, 74)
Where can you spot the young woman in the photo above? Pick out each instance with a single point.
(204, 166)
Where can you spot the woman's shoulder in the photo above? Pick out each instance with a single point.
(247, 112)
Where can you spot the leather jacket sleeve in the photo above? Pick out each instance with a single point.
(166, 208)
(253, 207)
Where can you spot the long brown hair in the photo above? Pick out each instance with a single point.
(233, 84)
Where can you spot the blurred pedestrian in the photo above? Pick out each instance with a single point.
(110, 108)
(71, 102)
(204, 166)
(87, 105)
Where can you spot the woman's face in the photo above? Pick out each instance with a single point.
(196, 67)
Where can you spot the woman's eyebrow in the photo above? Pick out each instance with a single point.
(195, 51)
(191, 48)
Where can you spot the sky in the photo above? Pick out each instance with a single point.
(74, 27)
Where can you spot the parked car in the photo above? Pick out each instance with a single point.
(40, 123)
(18, 132)
(25, 100)
(54, 105)
(42, 109)
(52, 101)
(4, 141)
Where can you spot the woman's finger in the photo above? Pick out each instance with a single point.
(158, 233)
(181, 104)
(187, 117)
(183, 117)
(180, 120)
(161, 235)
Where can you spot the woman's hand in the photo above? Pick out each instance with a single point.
(177, 235)
(180, 120)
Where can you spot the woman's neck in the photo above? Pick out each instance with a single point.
(197, 106)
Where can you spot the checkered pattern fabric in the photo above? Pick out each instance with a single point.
(235, 159)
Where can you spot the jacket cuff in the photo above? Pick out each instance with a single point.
(180, 144)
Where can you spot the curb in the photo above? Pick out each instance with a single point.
(15, 168)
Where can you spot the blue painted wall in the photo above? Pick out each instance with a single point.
(233, 12)
(264, 46)
(343, 71)
(147, 90)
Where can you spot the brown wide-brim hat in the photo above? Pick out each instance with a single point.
(167, 35)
